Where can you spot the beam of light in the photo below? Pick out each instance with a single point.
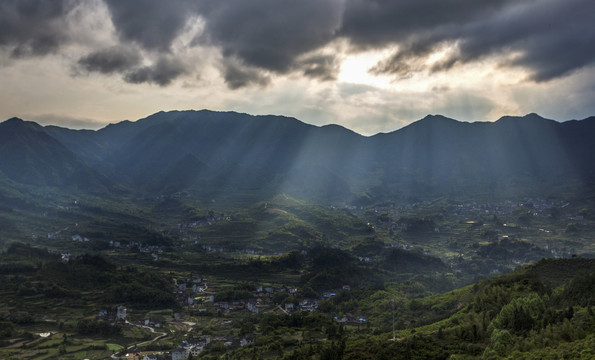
(329, 165)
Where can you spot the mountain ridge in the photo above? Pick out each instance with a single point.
(151, 120)
(231, 153)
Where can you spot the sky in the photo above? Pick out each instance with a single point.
(368, 65)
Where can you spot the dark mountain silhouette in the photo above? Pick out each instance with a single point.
(440, 155)
(31, 156)
(228, 154)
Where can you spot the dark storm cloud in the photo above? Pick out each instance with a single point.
(270, 34)
(152, 24)
(255, 36)
(549, 38)
(111, 60)
(557, 39)
(33, 28)
(237, 76)
(377, 23)
(322, 67)
(162, 72)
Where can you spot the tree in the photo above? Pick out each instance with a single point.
(247, 328)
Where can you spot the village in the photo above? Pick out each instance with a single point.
(523, 231)
(196, 298)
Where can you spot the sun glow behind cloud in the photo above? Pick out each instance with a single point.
(355, 69)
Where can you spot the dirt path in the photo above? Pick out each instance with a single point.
(130, 347)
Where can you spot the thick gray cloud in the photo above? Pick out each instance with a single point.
(553, 40)
(549, 38)
(238, 76)
(377, 23)
(111, 60)
(162, 72)
(271, 34)
(30, 27)
(322, 67)
(152, 24)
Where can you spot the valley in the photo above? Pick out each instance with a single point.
(218, 275)
(172, 238)
(297, 180)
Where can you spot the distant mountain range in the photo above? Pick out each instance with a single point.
(219, 155)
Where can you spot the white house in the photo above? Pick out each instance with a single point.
(246, 341)
(196, 350)
(179, 354)
(121, 313)
(252, 307)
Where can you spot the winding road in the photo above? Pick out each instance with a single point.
(129, 347)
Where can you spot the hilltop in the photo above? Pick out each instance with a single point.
(227, 155)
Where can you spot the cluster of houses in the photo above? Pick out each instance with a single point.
(263, 296)
(202, 222)
(154, 250)
(113, 315)
(187, 291)
(218, 248)
(191, 294)
(136, 244)
(207, 221)
(192, 347)
(540, 207)
(350, 319)
(262, 299)
(213, 248)
(79, 238)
